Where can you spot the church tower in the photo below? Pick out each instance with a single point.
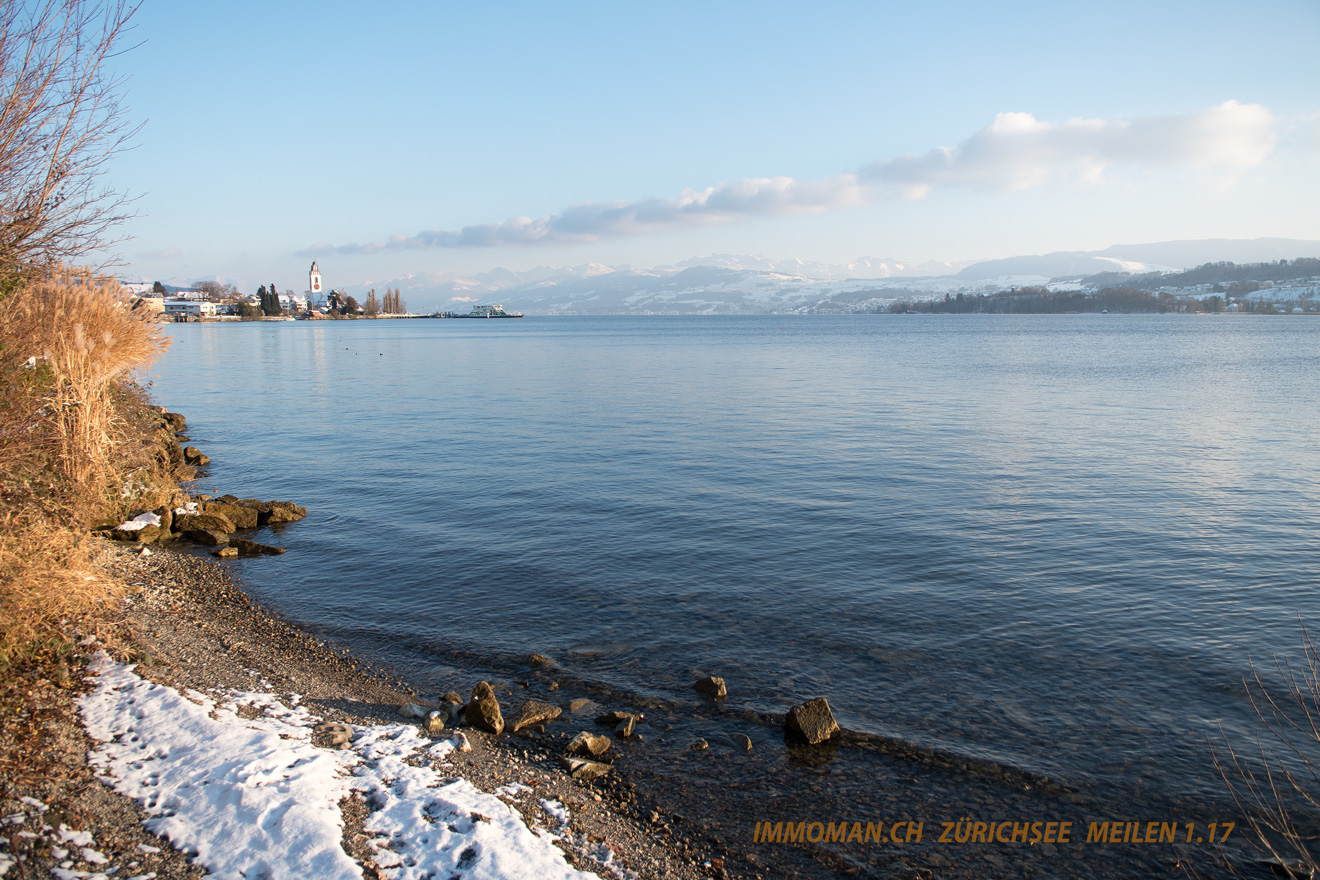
(314, 281)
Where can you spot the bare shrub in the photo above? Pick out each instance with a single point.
(60, 123)
(1278, 787)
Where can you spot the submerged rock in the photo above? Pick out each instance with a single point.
(712, 687)
(580, 706)
(540, 661)
(698, 745)
(483, 712)
(252, 548)
(812, 721)
(534, 712)
(741, 741)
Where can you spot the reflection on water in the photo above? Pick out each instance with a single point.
(1047, 542)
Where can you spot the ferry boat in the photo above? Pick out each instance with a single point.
(490, 312)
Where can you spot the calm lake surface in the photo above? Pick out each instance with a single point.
(1049, 542)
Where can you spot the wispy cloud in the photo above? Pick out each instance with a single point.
(1014, 152)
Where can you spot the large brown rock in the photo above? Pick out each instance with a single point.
(242, 517)
(588, 745)
(174, 421)
(274, 512)
(284, 512)
(534, 712)
(207, 537)
(171, 449)
(812, 721)
(195, 456)
(214, 522)
(483, 712)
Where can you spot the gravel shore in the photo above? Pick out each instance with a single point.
(187, 624)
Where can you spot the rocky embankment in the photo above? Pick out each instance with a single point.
(203, 520)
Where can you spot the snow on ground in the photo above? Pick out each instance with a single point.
(252, 797)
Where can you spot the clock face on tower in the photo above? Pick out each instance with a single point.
(316, 285)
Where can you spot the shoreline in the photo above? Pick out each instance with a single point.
(191, 627)
(664, 810)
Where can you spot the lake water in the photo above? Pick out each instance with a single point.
(1049, 543)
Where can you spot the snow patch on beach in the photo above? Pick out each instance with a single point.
(249, 797)
(138, 523)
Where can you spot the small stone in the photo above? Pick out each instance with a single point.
(624, 730)
(461, 743)
(699, 745)
(741, 741)
(483, 711)
(553, 686)
(580, 706)
(451, 697)
(434, 723)
(812, 721)
(588, 745)
(226, 552)
(534, 712)
(585, 770)
(336, 734)
(712, 687)
(540, 661)
(413, 710)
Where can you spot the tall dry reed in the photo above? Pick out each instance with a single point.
(74, 444)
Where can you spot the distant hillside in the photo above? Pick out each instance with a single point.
(733, 284)
(1213, 273)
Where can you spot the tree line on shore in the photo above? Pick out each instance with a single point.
(1042, 301)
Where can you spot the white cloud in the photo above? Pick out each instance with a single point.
(1015, 151)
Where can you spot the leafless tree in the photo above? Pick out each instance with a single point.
(61, 121)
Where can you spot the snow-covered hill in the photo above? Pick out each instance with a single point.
(742, 284)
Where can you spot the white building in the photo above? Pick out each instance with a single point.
(189, 308)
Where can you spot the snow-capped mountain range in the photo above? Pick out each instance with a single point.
(739, 284)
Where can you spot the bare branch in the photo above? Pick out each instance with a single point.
(61, 121)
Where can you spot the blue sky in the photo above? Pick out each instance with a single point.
(279, 131)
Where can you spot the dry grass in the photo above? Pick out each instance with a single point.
(75, 447)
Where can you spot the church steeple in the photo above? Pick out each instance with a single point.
(314, 280)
